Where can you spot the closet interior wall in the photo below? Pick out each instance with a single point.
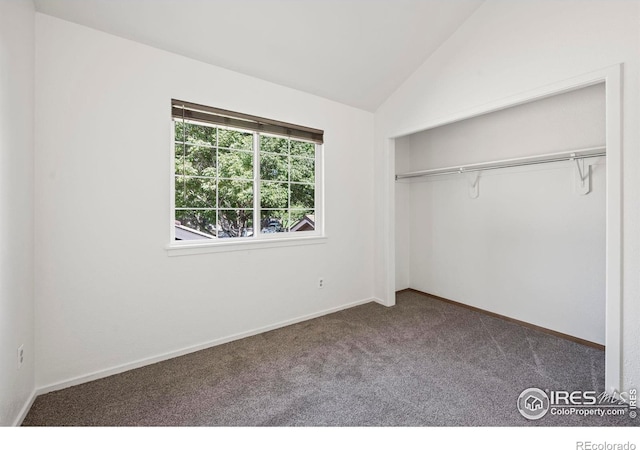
(529, 246)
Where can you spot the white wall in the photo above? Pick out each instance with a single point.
(528, 247)
(16, 206)
(507, 48)
(568, 121)
(107, 294)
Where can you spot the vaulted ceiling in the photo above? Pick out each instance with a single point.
(355, 52)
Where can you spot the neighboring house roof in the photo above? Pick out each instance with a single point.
(188, 234)
(307, 223)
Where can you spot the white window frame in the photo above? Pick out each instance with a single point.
(259, 239)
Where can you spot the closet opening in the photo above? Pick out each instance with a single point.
(515, 210)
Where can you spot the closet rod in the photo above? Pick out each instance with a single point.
(513, 162)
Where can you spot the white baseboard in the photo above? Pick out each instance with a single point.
(25, 409)
(194, 348)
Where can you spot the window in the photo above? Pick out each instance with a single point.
(243, 178)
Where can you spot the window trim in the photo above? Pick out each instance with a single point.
(259, 239)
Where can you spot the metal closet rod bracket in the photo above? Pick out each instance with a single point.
(582, 182)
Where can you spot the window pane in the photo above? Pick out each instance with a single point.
(178, 130)
(234, 194)
(180, 190)
(274, 221)
(300, 148)
(199, 134)
(235, 139)
(195, 224)
(274, 195)
(198, 160)
(274, 167)
(274, 145)
(195, 192)
(303, 220)
(178, 152)
(303, 170)
(235, 223)
(235, 164)
(302, 196)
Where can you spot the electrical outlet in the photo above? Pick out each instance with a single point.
(320, 283)
(20, 356)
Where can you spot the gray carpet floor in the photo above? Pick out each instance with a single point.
(421, 363)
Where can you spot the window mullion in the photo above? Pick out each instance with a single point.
(288, 227)
(217, 205)
(184, 160)
(256, 186)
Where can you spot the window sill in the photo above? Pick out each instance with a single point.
(217, 247)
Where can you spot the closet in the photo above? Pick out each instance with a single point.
(506, 212)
